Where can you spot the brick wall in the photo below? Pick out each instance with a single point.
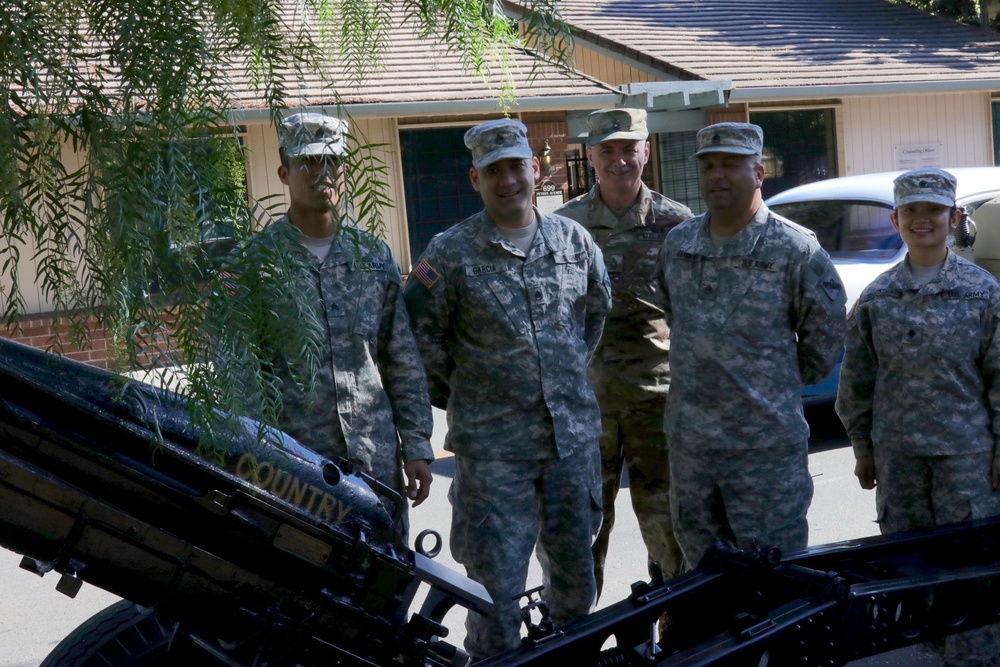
(41, 331)
(551, 128)
(54, 334)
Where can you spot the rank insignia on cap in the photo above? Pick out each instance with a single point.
(500, 139)
(734, 138)
(618, 123)
(929, 185)
(426, 274)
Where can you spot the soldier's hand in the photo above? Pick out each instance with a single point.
(864, 470)
(995, 472)
(418, 480)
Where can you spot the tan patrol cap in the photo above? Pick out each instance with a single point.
(311, 134)
(609, 124)
(930, 185)
(736, 138)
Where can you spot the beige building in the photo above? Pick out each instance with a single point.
(841, 87)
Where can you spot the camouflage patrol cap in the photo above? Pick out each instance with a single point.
(609, 124)
(736, 138)
(496, 140)
(935, 186)
(310, 134)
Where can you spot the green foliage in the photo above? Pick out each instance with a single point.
(965, 11)
(121, 166)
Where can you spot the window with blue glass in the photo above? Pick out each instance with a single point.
(436, 181)
(800, 146)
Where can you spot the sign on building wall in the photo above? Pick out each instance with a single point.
(548, 197)
(918, 156)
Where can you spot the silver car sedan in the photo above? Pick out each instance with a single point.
(850, 217)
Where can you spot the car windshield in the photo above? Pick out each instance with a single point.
(847, 229)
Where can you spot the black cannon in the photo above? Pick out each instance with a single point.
(264, 554)
(261, 553)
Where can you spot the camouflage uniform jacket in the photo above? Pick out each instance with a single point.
(370, 382)
(921, 373)
(506, 337)
(635, 344)
(751, 321)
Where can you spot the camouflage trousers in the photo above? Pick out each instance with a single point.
(500, 509)
(736, 496)
(925, 491)
(633, 436)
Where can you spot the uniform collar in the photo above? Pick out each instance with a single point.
(743, 243)
(635, 216)
(347, 241)
(492, 236)
(945, 281)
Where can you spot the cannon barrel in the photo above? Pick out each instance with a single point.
(266, 553)
(101, 480)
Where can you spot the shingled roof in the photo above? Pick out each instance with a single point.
(419, 75)
(785, 46)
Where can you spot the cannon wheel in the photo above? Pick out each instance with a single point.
(122, 635)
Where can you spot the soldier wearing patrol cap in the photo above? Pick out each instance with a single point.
(756, 311)
(367, 402)
(630, 371)
(507, 306)
(920, 384)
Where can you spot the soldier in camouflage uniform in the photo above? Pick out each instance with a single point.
(368, 400)
(630, 372)
(507, 306)
(756, 310)
(920, 384)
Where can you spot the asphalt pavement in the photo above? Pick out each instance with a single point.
(34, 617)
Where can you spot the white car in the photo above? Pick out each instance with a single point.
(850, 217)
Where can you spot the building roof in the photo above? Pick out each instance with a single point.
(783, 47)
(419, 75)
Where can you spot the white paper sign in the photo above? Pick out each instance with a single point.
(548, 202)
(918, 156)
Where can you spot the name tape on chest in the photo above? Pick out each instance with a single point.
(757, 264)
(738, 262)
(484, 269)
(959, 294)
(370, 265)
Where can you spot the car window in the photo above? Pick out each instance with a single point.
(846, 229)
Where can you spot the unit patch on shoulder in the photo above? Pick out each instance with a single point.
(426, 274)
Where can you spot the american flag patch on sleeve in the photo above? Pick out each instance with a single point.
(229, 281)
(426, 274)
